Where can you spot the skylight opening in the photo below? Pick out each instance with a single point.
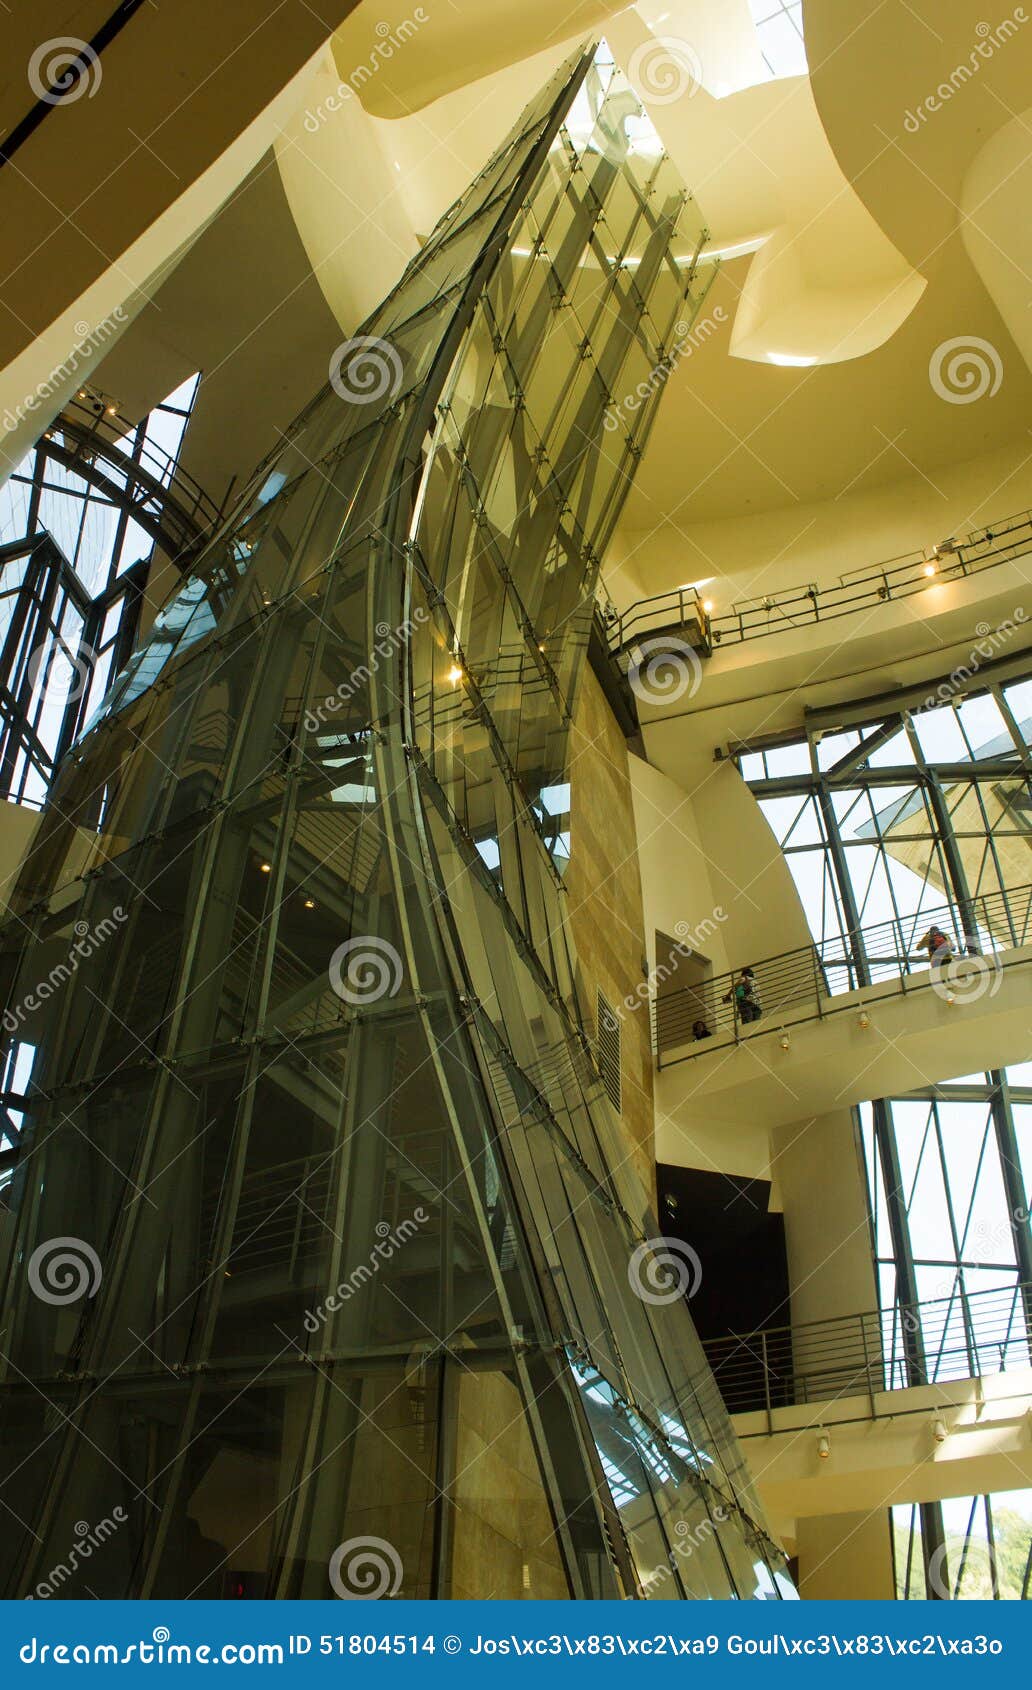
(779, 30)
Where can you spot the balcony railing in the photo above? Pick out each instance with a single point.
(958, 1337)
(137, 475)
(681, 613)
(803, 984)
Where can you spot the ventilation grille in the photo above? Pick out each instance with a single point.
(607, 1048)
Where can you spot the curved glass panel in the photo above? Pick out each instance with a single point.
(364, 1255)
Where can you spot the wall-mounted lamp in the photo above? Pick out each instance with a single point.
(823, 1446)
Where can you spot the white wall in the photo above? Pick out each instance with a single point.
(821, 1187)
(845, 1558)
(713, 875)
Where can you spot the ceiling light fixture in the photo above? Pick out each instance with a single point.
(939, 1430)
(454, 674)
(823, 1446)
(930, 569)
(266, 868)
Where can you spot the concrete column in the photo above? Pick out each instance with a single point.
(845, 1557)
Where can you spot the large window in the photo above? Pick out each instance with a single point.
(923, 807)
(74, 560)
(887, 818)
(985, 1554)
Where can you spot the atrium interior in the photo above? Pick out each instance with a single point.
(515, 776)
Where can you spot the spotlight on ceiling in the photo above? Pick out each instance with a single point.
(823, 1446)
(939, 1431)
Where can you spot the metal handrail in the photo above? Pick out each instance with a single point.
(801, 984)
(802, 606)
(161, 496)
(966, 1335)
(167, 468)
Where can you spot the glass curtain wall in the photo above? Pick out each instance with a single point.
(369, 1289)
(922, 806)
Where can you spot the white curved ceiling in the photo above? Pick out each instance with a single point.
(848, 272)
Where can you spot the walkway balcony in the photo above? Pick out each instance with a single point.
(911, 1404)
(872, 1016)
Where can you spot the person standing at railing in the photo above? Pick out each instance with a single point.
(938, 945)
(745, 997)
